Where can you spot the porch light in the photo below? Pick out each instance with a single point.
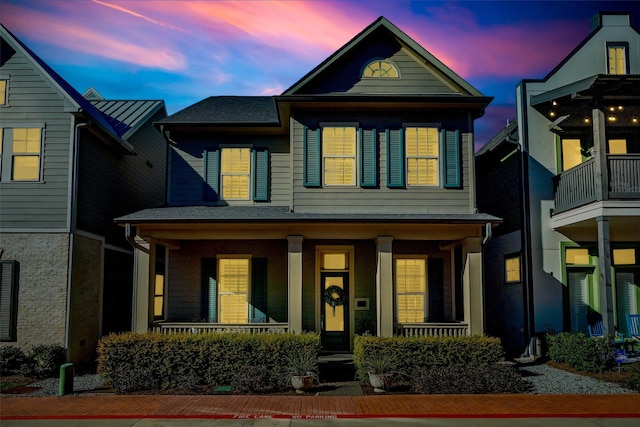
(586, 120)
(634, 120)
(620, 108)
(612, 118)
(552, 114)
(554, 103)
(612, 108)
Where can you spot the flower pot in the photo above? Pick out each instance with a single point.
(302, 382)
(379, 382)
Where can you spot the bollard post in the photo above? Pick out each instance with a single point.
(66, 379)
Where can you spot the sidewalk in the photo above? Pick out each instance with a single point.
(618, 406)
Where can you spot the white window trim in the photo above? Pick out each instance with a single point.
(218, 272)
(249, 174)
(426, 288)
(355, 156)
(6, 158)
(438, 158)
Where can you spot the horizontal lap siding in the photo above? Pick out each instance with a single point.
(32, 101)
(382, 199)
(187, 169)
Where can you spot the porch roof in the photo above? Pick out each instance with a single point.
(235, 214)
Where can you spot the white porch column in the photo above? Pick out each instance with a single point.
(472, 289)
(384, 286)
(604, 267)
(142, 313)
(295, 283)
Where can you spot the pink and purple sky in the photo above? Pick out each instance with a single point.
(184, 51)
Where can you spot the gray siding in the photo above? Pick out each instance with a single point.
(33, 102)
(186, 167)
(112, 185)
(382, 199)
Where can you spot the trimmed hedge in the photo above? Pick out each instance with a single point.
(148, 361)
(581, 352)
(417, 354)
(41, 361)
(497, 378)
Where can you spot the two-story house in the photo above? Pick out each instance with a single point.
(345, 205)
(69, 164)
(569, 167)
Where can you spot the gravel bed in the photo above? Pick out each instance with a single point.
(544, 378)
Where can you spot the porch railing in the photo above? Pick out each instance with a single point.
(577, 186)
(432, 329)
(199, 328)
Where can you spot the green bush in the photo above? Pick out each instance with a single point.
(419, 353)
(177, 361)
(496, 378)
(581, 352)
(45, 360)
(254, 379)
(633, 382)
(11, 360)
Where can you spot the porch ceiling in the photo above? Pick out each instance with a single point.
(580, 224)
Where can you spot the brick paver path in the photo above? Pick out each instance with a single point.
(435, 406)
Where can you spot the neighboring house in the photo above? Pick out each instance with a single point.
(345, 205)
(69, 165)
(565, 176)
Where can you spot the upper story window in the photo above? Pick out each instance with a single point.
(422, 150)
(380, 68)
(512, 269)
(339, 155)
(618, 58)
(3, 91)
(20, 154)
(236, 174)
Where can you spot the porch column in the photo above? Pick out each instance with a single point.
(384, 286)
(600, 154)
(142, 314)
(472, 289)
(604, 267)
(295, 283)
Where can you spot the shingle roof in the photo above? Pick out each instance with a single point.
(506, 132)
(228, 110)
(182, 214)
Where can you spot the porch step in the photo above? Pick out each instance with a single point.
(336, 367)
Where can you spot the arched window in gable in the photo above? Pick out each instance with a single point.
(380, 68)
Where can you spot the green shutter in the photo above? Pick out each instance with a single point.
(209, 298)
(261, 175)
(368, 157)
(436, 289)
(8, 300)
(451, 159)
(211, 174)
(312, 156)
(395, 158)
(258, 309)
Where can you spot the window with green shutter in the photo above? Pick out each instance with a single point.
(236, 173)
(312, 157)
(451, 168)
(395, 158)
(368, 157)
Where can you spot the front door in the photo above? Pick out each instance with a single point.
(335, 310)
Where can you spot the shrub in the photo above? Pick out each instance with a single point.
(254, 379)
(44, 360)
(633, 382)
(581, 352)
(496, 378)
(418, 353)
(11, 360)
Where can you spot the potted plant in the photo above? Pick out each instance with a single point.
(380, 367)
(302, 369)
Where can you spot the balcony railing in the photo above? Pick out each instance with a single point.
(200, 328)
(578, 185)
(432, 329)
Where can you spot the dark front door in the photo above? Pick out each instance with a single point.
(335, 311)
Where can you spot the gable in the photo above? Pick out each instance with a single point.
(419, 72)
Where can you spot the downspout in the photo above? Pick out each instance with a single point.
(72, 226)
(131, 238)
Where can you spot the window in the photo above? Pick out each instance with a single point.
(571, 153)
(411, 290)
(512, 269)
(21, 154)
(339, 155)
(233, 285)
(577, 256)
(236, 174)
(617, 58)
(617, 146)
(8, 299)
(3, 92)
(380, 68)
(158, 288)
(422, 155)
(624, 256)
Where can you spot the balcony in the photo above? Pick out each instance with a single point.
(579, 185)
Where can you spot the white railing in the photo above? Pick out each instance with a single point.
(200, 328)
(432, 329)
